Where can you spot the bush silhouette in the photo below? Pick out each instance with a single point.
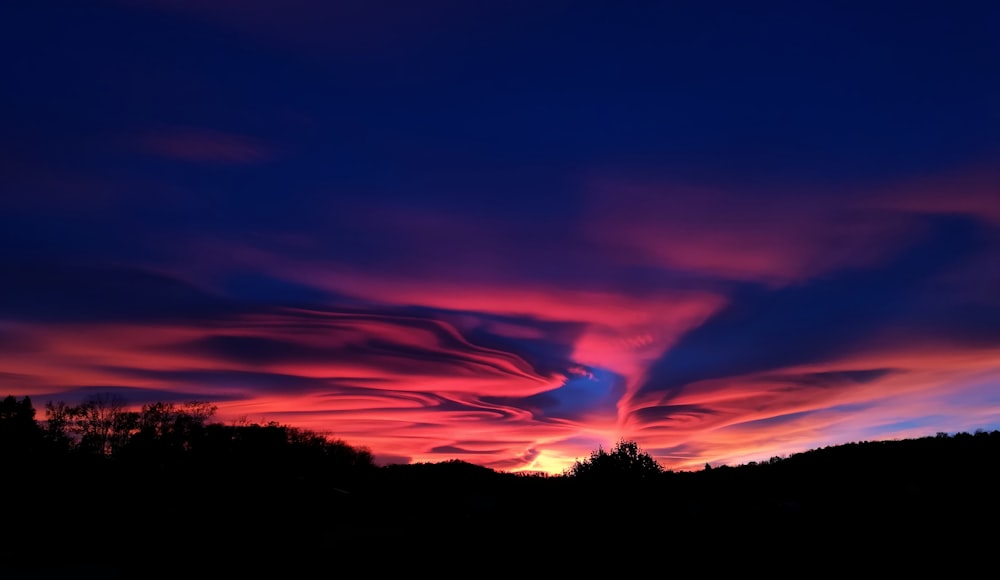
(624, 462)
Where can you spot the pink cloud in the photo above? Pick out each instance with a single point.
(737, 419)
(774, 238)
(973, 191)
(446, 405)
(199, 145)
(394, 406)
(410, 385)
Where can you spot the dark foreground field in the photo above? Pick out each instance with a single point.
(858, 510)
(164, 493)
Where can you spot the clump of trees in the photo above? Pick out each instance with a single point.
(104, 427)
(20, 435)
(625, 462)
(165, 478)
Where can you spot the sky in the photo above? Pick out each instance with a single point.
(509, 232)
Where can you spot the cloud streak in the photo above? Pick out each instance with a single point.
(198, 145)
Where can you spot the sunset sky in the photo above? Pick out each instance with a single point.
(509, 232)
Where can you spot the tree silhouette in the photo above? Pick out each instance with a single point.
(168, 430)
(19, 433)
(625, 462)
(101, 425)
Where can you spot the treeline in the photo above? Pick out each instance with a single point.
(129, 485)
(103, 433)
(103, 430)
(98, 486)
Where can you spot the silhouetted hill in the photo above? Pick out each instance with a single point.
(195, 497)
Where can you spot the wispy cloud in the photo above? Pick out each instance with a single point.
(200, 145)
